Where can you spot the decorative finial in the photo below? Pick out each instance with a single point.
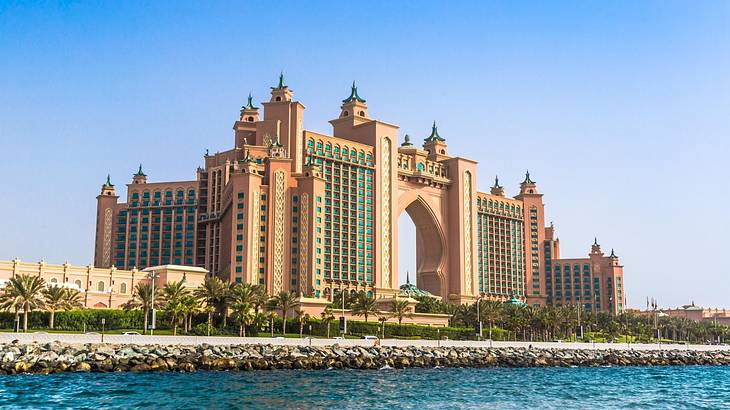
(408, 278)
(108, 182)
(249, 105)
(407, 142)
(434, 134)
(496, 182)
(281, 82)
(139, 172)
(206, 152)
(527, 178)
(613, 255)
(595, 240)
(353, 95)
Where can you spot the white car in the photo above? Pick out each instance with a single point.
(370, 337)
(131, 334)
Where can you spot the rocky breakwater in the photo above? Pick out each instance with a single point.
(54, 357)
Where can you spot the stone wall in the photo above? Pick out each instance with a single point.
(57, 357)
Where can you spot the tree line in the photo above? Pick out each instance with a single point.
(249, 306)
(530, 323)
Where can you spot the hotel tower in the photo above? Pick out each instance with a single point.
(316, 214)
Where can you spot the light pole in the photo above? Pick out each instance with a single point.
(479, 318)
(343, 321)
(103, 322)
(580, 327)
(153, 320)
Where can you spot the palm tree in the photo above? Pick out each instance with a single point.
(141, 299)
(364, 305)
(382, 319)
(463, 316)
(72, 299)
(285, 302)
(8, 302)
(327, 318)
(173, 297)
(24, 292)
(260, 297)
(400, 309)
(212, 291)
(242, 298)
(54, 298)
(243, 314)
(490, 312)
(302, 318)
(189, 305)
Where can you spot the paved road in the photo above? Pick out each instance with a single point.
(216, 340)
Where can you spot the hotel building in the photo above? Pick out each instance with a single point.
(316, 214)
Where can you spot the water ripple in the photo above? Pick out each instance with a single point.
(697, 387)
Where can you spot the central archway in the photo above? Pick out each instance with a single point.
(430, 246)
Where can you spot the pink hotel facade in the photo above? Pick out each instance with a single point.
(317, 214)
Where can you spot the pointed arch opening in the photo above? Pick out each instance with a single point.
(430, 247)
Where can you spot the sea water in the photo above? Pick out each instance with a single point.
(448, 388)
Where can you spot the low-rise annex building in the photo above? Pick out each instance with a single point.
(101, 287)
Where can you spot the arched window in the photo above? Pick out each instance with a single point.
(362, 113)
(123, 288)
(77, 282)
(278, 98)
(345, 114)
(100, 286)
(54, 280)
(250, 119)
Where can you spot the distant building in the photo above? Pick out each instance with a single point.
(596, 282)
(101, 287)
(697, 313)
(301, 211)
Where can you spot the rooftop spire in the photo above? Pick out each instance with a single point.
(139, 172)
(527, 178)
(353, 95)
(496, 182)
(595, 240)
(249, 105)
(281, 84)
(108, 182)
(434, 134)
(613, 254)
(408, 277)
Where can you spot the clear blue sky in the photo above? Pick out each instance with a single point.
(621, 110)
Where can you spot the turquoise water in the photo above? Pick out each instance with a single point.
(599, 388)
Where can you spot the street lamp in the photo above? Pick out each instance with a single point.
(153, 322)
(580, 326)
(103, 322)
(479, 318)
